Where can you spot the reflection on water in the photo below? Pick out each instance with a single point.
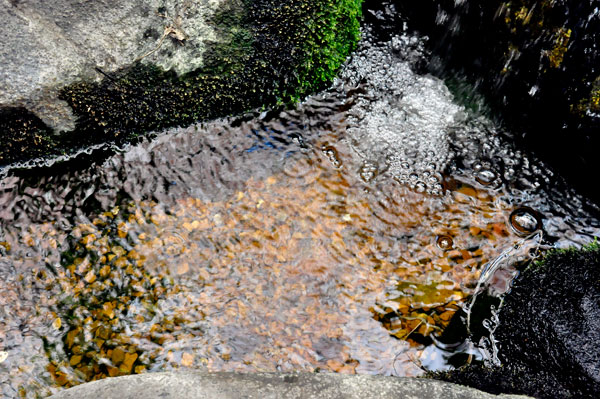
(339, 236)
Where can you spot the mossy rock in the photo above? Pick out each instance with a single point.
(555, 352)
(257, 53)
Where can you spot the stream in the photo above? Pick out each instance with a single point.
(340, 235)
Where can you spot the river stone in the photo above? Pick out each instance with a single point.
(47, 45)
(76, 74)
(556, 353)
(200, 385)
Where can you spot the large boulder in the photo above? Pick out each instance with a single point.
(77, 73)
(201, 385)
(549, 332)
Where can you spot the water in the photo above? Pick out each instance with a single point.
(341, 235)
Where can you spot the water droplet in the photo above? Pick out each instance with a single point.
(525, 221)
(444, 242)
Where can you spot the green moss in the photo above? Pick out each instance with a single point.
(332, 34)
(542, 263)
(270, 52)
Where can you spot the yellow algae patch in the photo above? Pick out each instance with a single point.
(561, 43)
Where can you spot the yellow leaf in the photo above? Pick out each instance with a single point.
(105, 271)
(183, 268)
(127, 364)
(117, 356)
(57, 323)
(71, 335)
(122, 230)
(88, 239)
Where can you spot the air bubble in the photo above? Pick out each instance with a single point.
(444, 242)
(333, 156)
(485, 176)
(525, 221)
(368, 171)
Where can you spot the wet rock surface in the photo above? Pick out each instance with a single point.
(555, 353)
(270, 385)
(49, 45)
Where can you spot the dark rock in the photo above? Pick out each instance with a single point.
(549, 332)
(536, 61)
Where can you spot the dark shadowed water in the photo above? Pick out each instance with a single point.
(341, 235)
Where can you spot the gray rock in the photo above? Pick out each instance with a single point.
(47, 45)
(269, 385)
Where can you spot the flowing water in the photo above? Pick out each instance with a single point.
(340, 235)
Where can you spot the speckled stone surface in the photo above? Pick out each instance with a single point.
(202, 385)
(49, 44)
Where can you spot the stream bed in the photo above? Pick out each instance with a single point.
(341, 235)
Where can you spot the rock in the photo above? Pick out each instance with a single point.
(79, 73)
(556, 352)
(49, 45)
(199, 385)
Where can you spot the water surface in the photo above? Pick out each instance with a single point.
(341, 236)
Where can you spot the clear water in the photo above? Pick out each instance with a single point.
(341, 235)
